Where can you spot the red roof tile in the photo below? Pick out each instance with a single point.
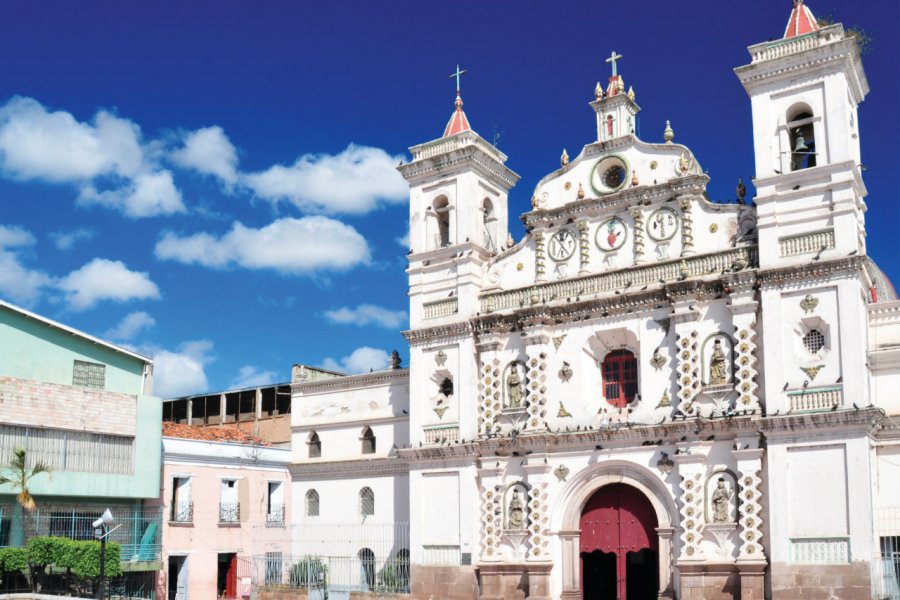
(210, 434)
(801, 21)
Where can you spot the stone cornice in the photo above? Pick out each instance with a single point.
(458, 154)
(884, 312)
(642, 195)
(848, 420)
(794, 275)
(349, 469)
(248, 462)
(446, 332)
(350, 382)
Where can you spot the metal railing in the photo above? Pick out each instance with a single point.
(182, 512)
(138, 531)
(275, 515)
(322, 576)
(229, 512)
(886, 577)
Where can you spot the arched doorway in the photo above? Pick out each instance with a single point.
(619, 545)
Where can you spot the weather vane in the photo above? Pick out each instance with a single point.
(458, 74)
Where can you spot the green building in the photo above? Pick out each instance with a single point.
(85, 408)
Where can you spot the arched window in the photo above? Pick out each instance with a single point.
(312, 503)
(441, 208)
(367, 562)
(489, 228)
(368, 441)
(802, 138)
(620, 384)
(366, 502)
(315, 445)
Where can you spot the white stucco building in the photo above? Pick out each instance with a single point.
(651, 394)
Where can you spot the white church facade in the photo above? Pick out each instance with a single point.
(650, 394)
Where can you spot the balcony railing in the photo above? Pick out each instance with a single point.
(275, 516)
(182, 512)
(229, 512)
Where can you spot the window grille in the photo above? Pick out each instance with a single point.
(366, 502)
(89, 375)
(620, 384)
(312, 503)
(813, 341)
(63, 450)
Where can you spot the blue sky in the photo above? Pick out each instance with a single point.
(212, 183)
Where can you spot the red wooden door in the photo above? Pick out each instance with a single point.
(618, 519)
(231, 578)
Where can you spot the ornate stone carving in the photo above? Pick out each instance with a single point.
(665, 464)
(514, 385)
(440, 358)
(491, 395)
(687, 227)
(657, 360)
(557, 341)
(638, 217)
(665, 401)
(718, 367)
(515, 512)
(720, 502)
(691, 515)
(539, 265)
(750, 520)
(811, 372)
(565, 372)
(440, 410)
(563, 413)
(687, 372)
(561, 472)
(809, 303)
(564, 158)
(537, 522)
(584, 255)
(491, 523)
(745, 367)
(536, 389)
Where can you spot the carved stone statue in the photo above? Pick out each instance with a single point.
(516, 514)
(515, 388)
(718, 370)
(721, 502)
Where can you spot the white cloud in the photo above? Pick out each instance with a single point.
(181, 372)
(287, 245)
(404, 239)
(364, 314)
(353, 181)
(130, 325)
(103, 279)
(66, 240)
(208, 151)
(249, 376)
(147, 195)
(361, 360)
(17, 282)
(107, 152)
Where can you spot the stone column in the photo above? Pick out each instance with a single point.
(687, 226)
(751, 558)
(584, 245)
(571, 564)
(685, 317)
(539, 268)
(490, 380)
(638, 217)
(743, 307)
(691, 464)
(536, 342)
(666, 580)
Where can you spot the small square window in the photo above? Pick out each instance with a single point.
(89, 375)
(813, 341)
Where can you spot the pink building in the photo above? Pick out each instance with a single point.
(215, 495)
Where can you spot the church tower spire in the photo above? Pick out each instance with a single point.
(801, 21)
(616, 110)
(458, 121)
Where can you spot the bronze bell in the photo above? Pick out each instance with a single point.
(800, 146)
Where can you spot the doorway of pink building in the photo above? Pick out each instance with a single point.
(226, 579)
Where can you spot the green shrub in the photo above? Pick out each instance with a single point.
(310, 572)
(47, 550)
(13, 559)
(86, 559)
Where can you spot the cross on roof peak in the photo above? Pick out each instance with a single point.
(458, 74)
(613, 57)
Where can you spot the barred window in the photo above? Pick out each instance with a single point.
(366, 502)
(813, 341)
(312, 503)
(89, 375)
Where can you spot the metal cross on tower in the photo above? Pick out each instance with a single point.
(459, 73)
(613, 57)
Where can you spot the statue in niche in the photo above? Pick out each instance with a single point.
(718, 368)
(515, 386)
(515, 518)
(721, 502)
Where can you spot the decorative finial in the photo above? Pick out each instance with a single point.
(458, 74)
(631, 93)
(510, 242)
(564, 159)
(683, 163)
(580, 192)
(598, 91)
(741, 191)
(668, 134)
(613, 57)
(634, 179)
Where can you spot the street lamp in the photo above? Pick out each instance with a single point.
(101, 531)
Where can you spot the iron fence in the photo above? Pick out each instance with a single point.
(182, 512)
(137, 530)
(229, 512)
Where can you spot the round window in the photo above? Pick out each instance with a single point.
(610, 174)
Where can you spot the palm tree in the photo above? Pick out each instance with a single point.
(17, 474)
